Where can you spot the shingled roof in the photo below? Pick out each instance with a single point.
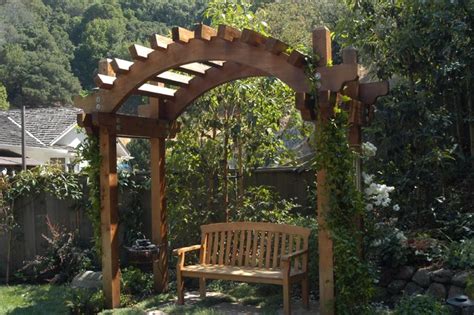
(43, 125)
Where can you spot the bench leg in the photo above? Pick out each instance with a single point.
(202, 287)
(305, 292)
(286, 298)
(180, 287)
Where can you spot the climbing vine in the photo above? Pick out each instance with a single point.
(353, 279)
(89, 153)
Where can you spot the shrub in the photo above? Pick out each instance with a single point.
(63, 258)
(388, 246)
(420, 305)
(460, 255)
(85, 301)
(262, 203)
(136, 282)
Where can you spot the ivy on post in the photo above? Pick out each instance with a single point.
(322, 48)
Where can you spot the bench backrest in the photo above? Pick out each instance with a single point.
(252, 244)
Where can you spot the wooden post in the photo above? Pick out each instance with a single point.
(322, 47)
(109, 218)
(159, 222)
(109, 208)
(349, 56)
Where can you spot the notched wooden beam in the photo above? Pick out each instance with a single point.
(160, 42)
(182, 35)
(139, 52)
(228, 33)
(275, 46)
(173, 78)
(194, 68)
(87, 103)
(333, 78)
(104, 81)
(205, 32)
(369, 92)
(130, 126)
(252, 37)
(152, 90)
(297, 59)
(121, 66)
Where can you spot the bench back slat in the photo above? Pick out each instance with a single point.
(252, 244)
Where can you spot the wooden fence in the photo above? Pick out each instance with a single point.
(31, 213)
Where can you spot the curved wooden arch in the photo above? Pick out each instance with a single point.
(214, 57)
(198, 50)
(200, 85)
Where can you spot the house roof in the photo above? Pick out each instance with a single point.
(46, 123)
(10, 133)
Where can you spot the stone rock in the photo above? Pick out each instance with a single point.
(460, 279)
(442, 275)
(396, 286)
(455, 291)
(405, 273)
(437, 290)
(413, 289)
(422, 277)
(385, 278)
(88, 280)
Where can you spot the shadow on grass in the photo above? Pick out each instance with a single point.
(38, 299)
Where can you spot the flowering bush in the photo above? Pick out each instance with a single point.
(389, 245)
(377, 194)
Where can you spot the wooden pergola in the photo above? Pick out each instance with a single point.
(173, 72)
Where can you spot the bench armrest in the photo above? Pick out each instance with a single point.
(183, 250)
(294, 254)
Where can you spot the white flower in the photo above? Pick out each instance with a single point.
(4, 172)
(13, 173)
(368, 149)
(317, 76)
(396, 207)
(369, 207)
(367, 178)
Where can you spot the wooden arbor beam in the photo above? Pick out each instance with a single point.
(159, 216)
(322, 47)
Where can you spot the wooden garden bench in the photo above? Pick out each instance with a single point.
(249, 252)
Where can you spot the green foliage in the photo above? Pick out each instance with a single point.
(460, 255)
(62, 260)
(131, 214)
(294, 21)
(85, 301)
(423, 128)
(136, 282)
(354, 280)
(261, 203)
(389, 247)
(4, 105)
(470, 287)
(44, 178)
(88, 152)
(421, 305)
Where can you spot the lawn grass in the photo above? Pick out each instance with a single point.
(33, 299)
(51, 299)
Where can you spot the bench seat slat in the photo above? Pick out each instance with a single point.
(235, 271)
(241, 247)
(275, 251)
